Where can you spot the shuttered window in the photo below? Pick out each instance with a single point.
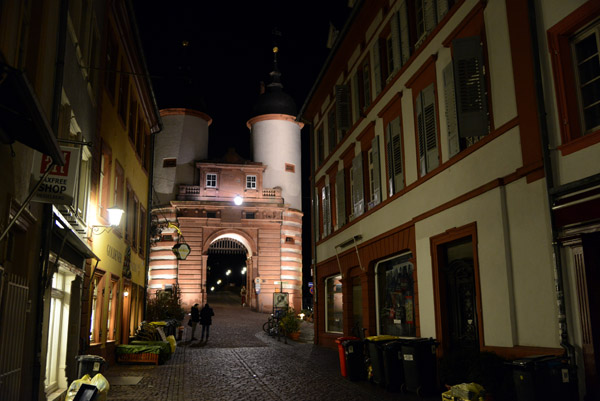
(374, 173)
(316, 215)
(340, 199)
(394, 149)
(356, 97)
(377, 73)
(465, 95)
(331, 130)
(320, 146)
(326, 204)
(358, 192)
(427, 130)
(342, 109)
(471, 99)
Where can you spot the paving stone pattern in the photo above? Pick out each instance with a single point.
(241, 362)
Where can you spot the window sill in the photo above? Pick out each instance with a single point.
(580, 143)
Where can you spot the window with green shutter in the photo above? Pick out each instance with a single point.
(427, 130)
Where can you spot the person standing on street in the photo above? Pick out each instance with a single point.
(243, 295)
(195, 319)
(206, 315)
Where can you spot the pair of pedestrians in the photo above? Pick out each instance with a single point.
(204, 317)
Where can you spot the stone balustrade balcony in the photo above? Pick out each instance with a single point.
(200, 193)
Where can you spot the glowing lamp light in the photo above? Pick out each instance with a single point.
(238, 200)
(212, 288)
(125, 293)
(228, 272)
(114, 215)
(219, 281)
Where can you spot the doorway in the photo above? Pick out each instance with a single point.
(458, 300)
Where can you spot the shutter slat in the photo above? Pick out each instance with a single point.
(396, 47)
(430, 15)
(397, 153)
(342, 102)
(404, 32)
(340, 198)
(442, 9)
(431, 145)
(355, 98)
(376, 66)
(451, 120)
(471, 98)
(358, 193)
(376, 173)
(421, 134)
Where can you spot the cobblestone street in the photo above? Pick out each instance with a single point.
(240, 362)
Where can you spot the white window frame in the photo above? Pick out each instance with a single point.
(211, 180)
(251, 182)
(327, 330)
(58, 326)
(377, 289)
(593, 30)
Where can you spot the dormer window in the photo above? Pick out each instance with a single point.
(211, 180)
(250, 182)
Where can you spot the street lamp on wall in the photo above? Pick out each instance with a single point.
(114, 219)
(238, 200)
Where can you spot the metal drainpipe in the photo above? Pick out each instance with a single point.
(149, 219)
(47, 220)
(556, 253)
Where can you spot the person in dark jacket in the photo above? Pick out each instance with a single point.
(195, 319)
(206, 315)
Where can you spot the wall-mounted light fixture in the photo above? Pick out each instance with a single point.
(126, 292)
(238, 200)
(114, 219)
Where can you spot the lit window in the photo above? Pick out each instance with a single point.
(334, 312)
(57, 331)
(211, 180)
(395, 296)
(250, 182)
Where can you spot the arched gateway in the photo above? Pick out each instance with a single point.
(256, 203)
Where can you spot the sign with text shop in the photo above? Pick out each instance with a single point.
(59, 186)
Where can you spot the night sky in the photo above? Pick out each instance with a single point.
(229, 53)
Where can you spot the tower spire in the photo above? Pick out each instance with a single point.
(275, 74)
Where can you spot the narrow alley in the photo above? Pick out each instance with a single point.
(241, 362)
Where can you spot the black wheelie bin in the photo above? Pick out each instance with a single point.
(420, 366)
(375, 348)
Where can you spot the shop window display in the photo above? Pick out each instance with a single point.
(395, 296)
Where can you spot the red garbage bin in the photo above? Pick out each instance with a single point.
(339, 342)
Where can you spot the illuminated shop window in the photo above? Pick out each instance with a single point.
(334, 313)
(395, 296)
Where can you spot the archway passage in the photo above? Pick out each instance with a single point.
(226, 265)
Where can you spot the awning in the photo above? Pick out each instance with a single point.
(65, 232)
(21, 116)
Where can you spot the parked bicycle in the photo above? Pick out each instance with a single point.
(271, 326)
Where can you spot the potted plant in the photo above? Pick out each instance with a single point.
(290, 324)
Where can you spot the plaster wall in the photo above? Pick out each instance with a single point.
(185, 138)
(501, 156)
(275, 143)
(517, 296)
(576, 165)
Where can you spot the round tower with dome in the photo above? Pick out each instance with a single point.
(275, 139)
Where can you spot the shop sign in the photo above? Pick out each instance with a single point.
(59, 185)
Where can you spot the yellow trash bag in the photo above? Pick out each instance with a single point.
(74, 387)
(102, 385)
(173, 342)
